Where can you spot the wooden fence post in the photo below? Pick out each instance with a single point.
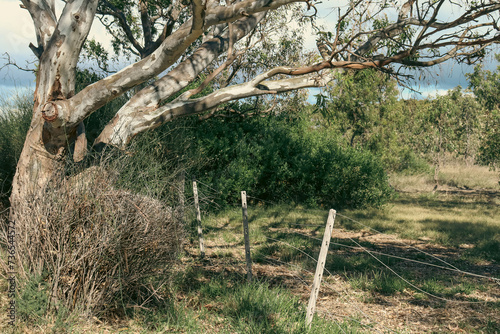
(311, 307)
(198, 219)
(181, 181)
(246, 235)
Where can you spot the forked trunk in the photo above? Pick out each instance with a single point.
(41, 161)
(47, 141)
(45, 149)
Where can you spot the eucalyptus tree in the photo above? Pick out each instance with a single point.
(360, 103)
(467, 124)
(486, 87)
(176, 41)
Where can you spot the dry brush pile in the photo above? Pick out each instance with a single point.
(95, 245)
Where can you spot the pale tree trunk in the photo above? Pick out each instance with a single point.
(47, 141)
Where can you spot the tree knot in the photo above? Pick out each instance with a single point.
(50, 112)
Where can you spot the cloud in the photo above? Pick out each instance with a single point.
(16, 32)
(16, 28)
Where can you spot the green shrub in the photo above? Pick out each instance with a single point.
(33, 301)
(15, 118)
(489, 151)
(279, 159)
(276, 158)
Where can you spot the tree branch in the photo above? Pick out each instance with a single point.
(44, 20)
(199, 7)
(122, 20)
(62, 51)
(146, 25)
(152, 96)
(96, 95)
(11, 62)
(126, 128)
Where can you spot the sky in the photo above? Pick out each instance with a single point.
(16, 32)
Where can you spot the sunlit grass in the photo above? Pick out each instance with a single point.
(458, 174)
(226, 304)
(471, 223)
(454, 174)
(202, 300)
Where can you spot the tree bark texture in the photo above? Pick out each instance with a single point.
(47, 141)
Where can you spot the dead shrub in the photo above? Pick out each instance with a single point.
(94, 242)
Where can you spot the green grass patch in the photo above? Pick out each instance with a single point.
(377, 281)
(448, 287)
(33, 300)
(445, 219)
(257, 307)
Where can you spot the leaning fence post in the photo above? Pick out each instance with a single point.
(198, 219)
(246, 234)
(181, 181)
(311, 307)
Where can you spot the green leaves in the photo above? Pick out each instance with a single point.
(486, 87)
(93, 50)
(357, 103)
(279, 159)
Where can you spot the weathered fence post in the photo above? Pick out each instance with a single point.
(181, 181)
(198, 219)
(311, 307)
(246, 235)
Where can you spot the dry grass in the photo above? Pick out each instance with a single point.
(458, 174)
(458, 225)
(204, 292)
(382, 301)
(454, 174)
(94, 245)
(444, 218)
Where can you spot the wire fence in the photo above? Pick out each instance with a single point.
(293, 245)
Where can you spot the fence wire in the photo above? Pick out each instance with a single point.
(358, 247)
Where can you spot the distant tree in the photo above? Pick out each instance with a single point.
(486, 87)
(359, 102)
(467, 126)
(441, 119)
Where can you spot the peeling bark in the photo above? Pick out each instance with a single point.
(149, 99)
(128, 126)
(43, 154)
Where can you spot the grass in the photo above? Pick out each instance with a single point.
(377, 281)
(454, 174)
(461, 228)
(465, 222)
(212, 295)
(223, 303)
(460, 175)
(15, 118)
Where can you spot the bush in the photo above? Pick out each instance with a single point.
(489, 151)
(15, 118)
(95, 244)
(33, 301)
(280, 159)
